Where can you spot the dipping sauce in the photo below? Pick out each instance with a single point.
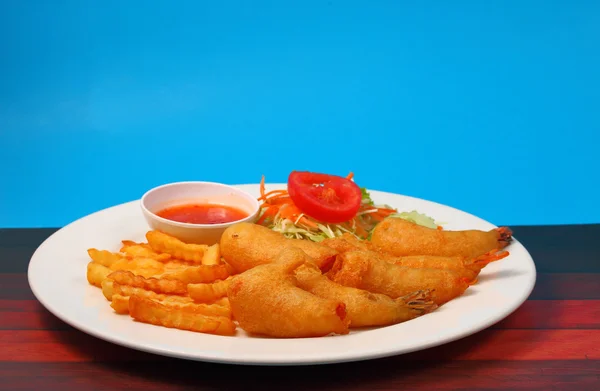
(203, 213)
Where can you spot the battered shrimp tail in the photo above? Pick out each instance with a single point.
(419, 301)
(482, 261)
(504, 236)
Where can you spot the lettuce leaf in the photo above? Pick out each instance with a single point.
(416, 217)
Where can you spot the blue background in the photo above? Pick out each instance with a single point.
(488, 106)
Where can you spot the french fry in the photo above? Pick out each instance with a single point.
(104, 257)
(150, 281)
(176, 264)
(120, 304)
(96, 273)
(173, 287)
(148, 311)
(212, 256)
(123, 292)
(108, 288)
(224, 302)
(145, 267)
(163, 243)
(127, 290)
(142, 250)
(198, 274)
(208, 293)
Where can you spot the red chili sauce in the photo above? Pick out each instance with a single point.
(203, 214)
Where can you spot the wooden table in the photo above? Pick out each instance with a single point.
(552, 342)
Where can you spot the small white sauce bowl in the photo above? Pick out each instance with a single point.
(185, 193)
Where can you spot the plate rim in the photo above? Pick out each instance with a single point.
(294, 361)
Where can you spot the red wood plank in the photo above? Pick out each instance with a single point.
(74, 346)
(21, 305)
(553, 314)
(61, 346)
(493, 344)
(31, 321)
(387, 374)
(533, 314)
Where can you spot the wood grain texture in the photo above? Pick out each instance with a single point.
(74, 346)
(554, 314)
(533, 314)
(552, 342)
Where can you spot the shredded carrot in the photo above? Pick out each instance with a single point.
(381, 214)
(360, 231)
(270, 212)
(290, 211)
(272, 192)
(350, 176)
(440, 228)
(262, 186)
(387, 210)
(308, 222)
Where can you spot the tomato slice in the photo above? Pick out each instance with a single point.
(326, 198)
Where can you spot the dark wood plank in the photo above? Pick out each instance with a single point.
(17, 245)
(562, 248)
(74, 346)
(384, 374)
(533, 314)
(14, 286)
(566, 286)
(555, 249)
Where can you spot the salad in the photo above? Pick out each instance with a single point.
(318, 206)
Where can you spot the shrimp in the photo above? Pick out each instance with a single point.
(468, 268)
(400, 237)
(246, 245)
(266, 300)
(365, 308)
(365, 270)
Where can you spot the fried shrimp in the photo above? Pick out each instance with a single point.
(468, 268)
(246, 245)
(365, 270)
(266, 300)
(365, 308)
(400, 237)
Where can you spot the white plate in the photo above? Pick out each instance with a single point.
(57, 276)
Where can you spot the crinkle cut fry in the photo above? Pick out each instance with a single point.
(207, 293)
(172, 287)
(149, 311)
(124, 292)
(163, 243)
(96, 273)
(199, 274)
